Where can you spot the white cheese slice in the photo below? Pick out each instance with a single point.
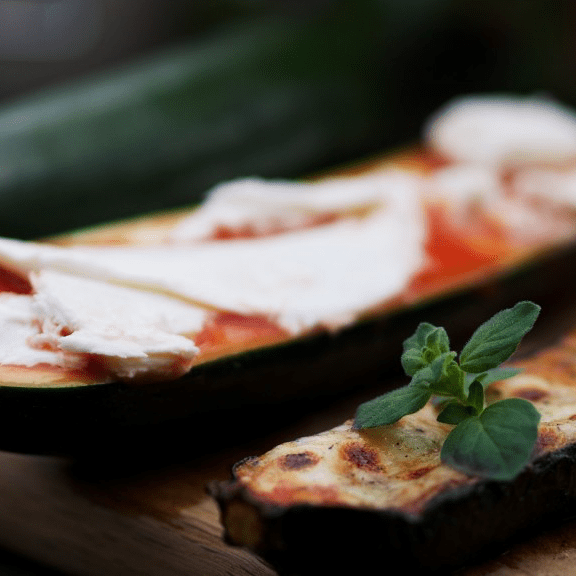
(271, 205)
(466, 188)
(326, 275)
(556, 186)
(503, 131)
(461, 186)
(19, 327)
(134, 332)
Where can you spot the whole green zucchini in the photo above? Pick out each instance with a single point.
(269, 96)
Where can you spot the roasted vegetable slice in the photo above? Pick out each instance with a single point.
(348, 499)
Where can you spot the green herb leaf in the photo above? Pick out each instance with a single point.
(451, 381)
(454, 413)
(490, 376)
(413, 361)
(390, 407)
(413, 357)
(437, 343)
(497, 444)
(434, 372)
(418, 339)
(476, 397)
(497, 339)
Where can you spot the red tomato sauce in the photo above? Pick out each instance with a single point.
(227, 332)
(455, 253)
(13, 282)
(249, 231)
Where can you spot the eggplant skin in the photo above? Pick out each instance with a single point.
(459, 527)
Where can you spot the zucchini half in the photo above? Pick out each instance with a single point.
(244, 392)
(345, 500)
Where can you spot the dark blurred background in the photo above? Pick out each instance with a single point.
(44, 42)
(424, 50)
(272, 88)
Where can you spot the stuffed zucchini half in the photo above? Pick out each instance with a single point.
(275, 291)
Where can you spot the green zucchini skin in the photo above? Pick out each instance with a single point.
(268, 96)
(250, 393)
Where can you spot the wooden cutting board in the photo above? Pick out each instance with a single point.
(154, 517)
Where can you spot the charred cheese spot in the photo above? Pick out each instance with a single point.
(532, 394)
(567, 367)
(547, 439)
(298, 461)
(418, 473)
(494, 392)
(361, 456)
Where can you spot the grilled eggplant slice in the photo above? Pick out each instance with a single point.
(347, 500)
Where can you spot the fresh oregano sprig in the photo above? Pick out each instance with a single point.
(494, 441)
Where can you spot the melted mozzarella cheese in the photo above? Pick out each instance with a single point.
(499, 131)
(326, 275)
(133, 331)
(18, 329)
(269, 205)
(557, 186)
(463, 185)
